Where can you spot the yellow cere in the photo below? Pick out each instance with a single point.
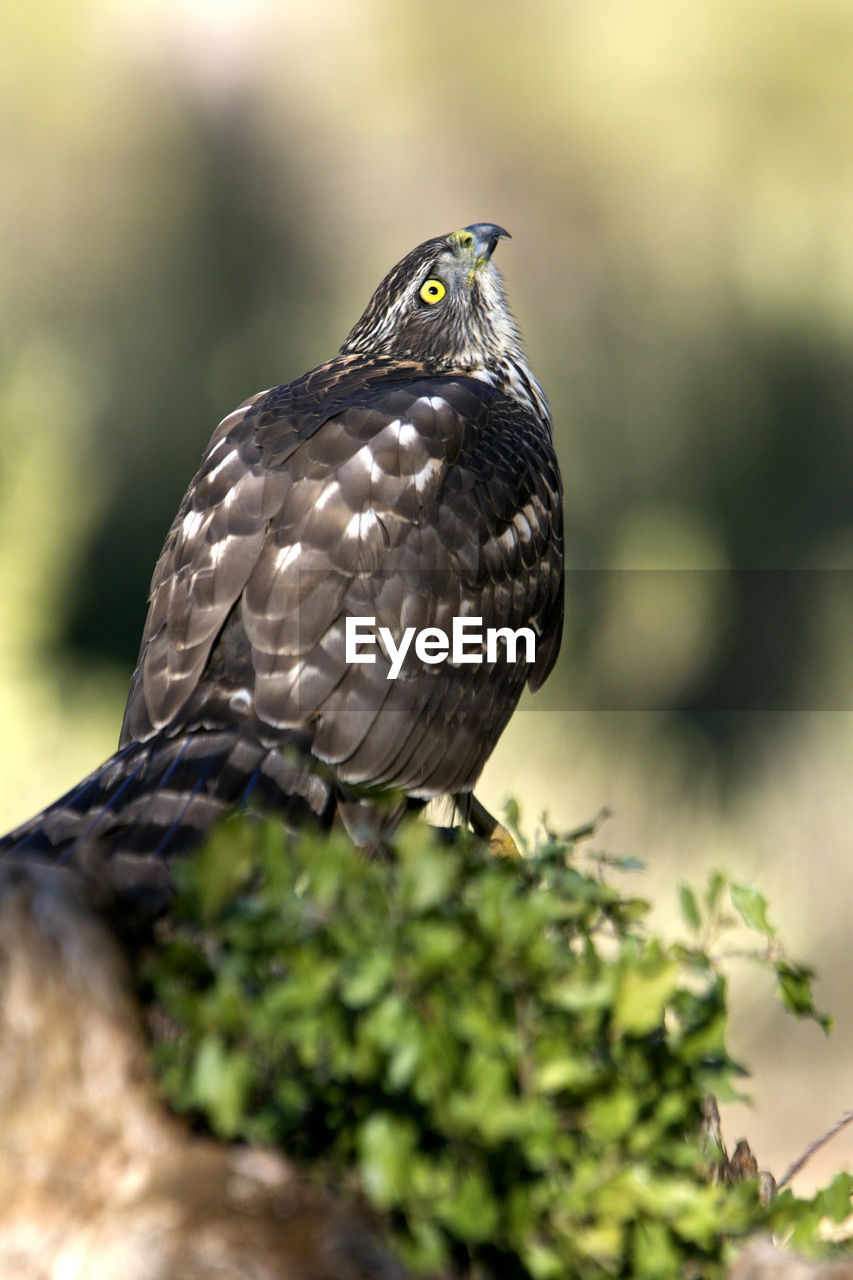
(432, 291)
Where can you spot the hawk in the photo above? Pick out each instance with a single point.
(409, 481)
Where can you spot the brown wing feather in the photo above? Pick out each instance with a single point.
(359, 491)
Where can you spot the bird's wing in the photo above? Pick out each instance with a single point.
(358, 492)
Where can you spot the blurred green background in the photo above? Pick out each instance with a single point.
(198, 197)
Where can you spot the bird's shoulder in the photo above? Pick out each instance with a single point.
(399, 416)
(361, 391)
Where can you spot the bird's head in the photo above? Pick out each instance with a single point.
(443, 305)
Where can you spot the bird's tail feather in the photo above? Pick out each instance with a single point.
(156, 798)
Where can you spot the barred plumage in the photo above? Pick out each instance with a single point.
(411, 479)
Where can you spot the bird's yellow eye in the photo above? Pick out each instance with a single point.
(432, 291)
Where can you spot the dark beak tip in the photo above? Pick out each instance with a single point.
(486, 235)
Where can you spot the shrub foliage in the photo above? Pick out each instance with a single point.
(499, 1055)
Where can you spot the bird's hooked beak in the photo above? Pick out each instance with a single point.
(479, 241)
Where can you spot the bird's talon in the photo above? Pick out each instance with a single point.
(485, 825)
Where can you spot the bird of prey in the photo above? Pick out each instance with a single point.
(409, 481)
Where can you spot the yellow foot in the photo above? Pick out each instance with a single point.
(499, 840)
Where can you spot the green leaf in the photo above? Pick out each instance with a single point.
(689, 908)
(642, 997)
(835, 1199)
(427, 872)
(716, 884)
(386, 1146)
(628, 863)
(370, 978)
(469, 1210)
(751, 906)
(655, 1252)
(220, 1084)
(562, 1073)
(613, 1115)
(544, 1262)
(221, 868)
(795, 990)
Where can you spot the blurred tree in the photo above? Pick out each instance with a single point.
(205, 316)
(200, 196)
